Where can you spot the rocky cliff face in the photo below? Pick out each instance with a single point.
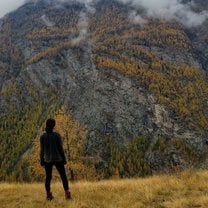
(110, 74)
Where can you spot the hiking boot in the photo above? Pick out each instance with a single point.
(49, 196)
(67, 195)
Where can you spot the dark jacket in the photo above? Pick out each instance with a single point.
(51, 148)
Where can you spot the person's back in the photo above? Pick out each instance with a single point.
(52, 145)
(52, 153)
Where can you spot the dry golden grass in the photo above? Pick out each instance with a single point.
(184, 190)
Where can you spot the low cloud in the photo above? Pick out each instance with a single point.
(83, 27)
(167, 9)
(46, 21)
(136, 18)
(170, 9)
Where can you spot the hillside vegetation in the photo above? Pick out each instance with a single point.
(180, 87)
(134, 95)
(187, 190)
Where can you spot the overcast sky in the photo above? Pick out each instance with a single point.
(9, 5)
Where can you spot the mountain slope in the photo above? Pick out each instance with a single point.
(139, 90)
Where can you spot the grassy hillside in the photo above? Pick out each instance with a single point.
(187, 189)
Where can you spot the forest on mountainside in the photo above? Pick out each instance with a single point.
(109, 127)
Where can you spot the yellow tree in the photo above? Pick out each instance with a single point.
(74, 136)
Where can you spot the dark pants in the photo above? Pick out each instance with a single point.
(62, 173)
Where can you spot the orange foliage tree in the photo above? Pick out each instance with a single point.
(73, 135)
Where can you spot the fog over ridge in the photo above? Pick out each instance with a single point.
(171, 9)
(166, 9)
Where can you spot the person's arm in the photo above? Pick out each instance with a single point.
(42, 163)
(61, 149)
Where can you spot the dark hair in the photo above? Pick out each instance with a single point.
(50, 124)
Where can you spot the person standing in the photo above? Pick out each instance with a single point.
(52, 154)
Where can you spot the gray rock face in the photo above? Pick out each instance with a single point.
(108, 103)
(104, 101)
